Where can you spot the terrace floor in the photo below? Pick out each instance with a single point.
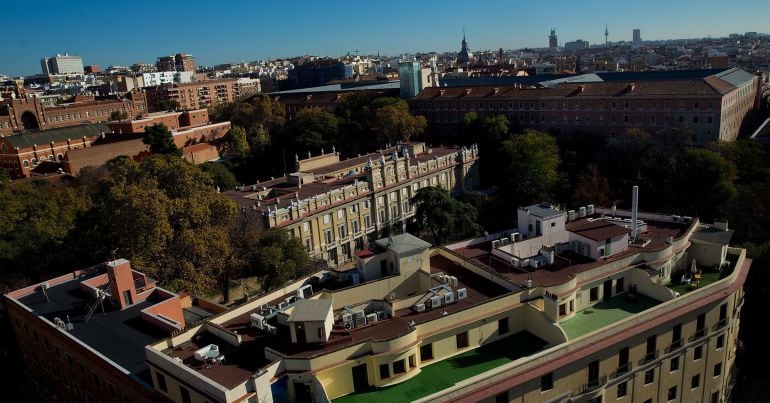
(606, 313)
(708, 276)
(444, 374)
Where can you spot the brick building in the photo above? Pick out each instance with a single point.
(713, 107)
(200, 94)
(30, 113)
(295, 100)
(82, 335)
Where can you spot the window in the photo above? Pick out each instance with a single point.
(698, 353)
(676, 336)
(462, 340)
(70, 362)
(342, 231)
(327, 218)
(681, 119)
(562, 309)
(695, 382)
(97, 380)
(718, 369)
(502, 326)
(722, 313)
(623, 360)
(619, 286)
(715, 397)
(384, 371)
(671, 393)
(594, 294)
(426, 352)
(696, 105)
(546, 382)
(674, 365)
(161, 381)
(399, 367)
(622, 389)
(185, 394)
(306, 226)
(649, 376)
(341, 213)
(720, 341)
(695, 119)
(502, 397)
(412, 361)
(329, 237)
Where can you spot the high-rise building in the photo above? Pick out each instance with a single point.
(409, 77)
(65, 64)
(637, 36)
(553, 42)
(575, 45)
(178, 62)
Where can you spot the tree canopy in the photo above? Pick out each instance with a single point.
(160, 140)
(443, 216)
(530, 173)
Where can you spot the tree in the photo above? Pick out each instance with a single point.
(168, 105)
(280, 258)
(394, 123)
(222, 177)
(236, 143)
(530, 173)
(118, 115)
(706, 183)
(592, 188)
(438, 213)
(163, 215)
(311, 129)
(488, 132)
(160, 140)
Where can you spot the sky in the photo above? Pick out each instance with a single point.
(122, 33)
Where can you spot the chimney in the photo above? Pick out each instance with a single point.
(121, 282)
(634, 211)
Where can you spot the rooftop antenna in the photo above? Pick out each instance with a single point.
(634, 210)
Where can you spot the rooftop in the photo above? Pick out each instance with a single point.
(403, 244)
(446, 373)
(606, 313)
(57, 135)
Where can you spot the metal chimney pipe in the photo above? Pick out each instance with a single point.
(634, 210)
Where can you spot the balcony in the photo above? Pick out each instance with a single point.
(592, 385)
(649, 357)
(699, 334)
(622, 369)
(605, 313)
(721, 324)
(674, 345)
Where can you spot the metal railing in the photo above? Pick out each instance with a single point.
(649, 357)
(699, 334)
(674, 345)
(622, 369)
(592, 385)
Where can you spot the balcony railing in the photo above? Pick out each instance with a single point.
(722, 323)
(649, 357)
(674, 345)
(592, 385)
(699, 334)
(622, 369)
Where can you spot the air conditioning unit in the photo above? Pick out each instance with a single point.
(359, 314)
(381, 315)
(582, 212)
(282, 306)
(687, 219)
(305, 292)
(677, 218)
(346, 317)
(449, 298)
(495, 244)
(590, 209)
(360, 321)
(257, 321)
(453, 281)
(571, 215)
(462, 294)
(435, 301)
(371, 318)
(575, 246)
(348, 325)
(271, 329)
(515, 237)
(419, 307)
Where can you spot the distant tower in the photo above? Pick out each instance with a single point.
(637, 36)
(606, 35)
(553, 43)
(465, 55)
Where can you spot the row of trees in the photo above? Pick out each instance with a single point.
(162, 214)
(263, 142)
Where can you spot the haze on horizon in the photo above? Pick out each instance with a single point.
(110, 34)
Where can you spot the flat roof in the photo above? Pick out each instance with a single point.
(119, 335)
(598, 230)
(311, 310)
(713, 235)
(543, 210)
(403, 244)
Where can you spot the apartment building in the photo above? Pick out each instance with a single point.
(334, 205)
(588, 305)
(201, 94)
(712, 107)
(82, 335)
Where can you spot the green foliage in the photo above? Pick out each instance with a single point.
(280, 258)
(222, 177)
(706, 183)
(168, 105)
(394, 123)
(530, 173)
(311, 129)
(236, 143)
(438, 213)
(118, 115)
(160, 140)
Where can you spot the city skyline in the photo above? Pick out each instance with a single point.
(264, 32)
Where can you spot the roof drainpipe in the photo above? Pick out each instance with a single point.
(634, 209)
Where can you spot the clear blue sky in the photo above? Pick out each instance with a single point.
(111, 32)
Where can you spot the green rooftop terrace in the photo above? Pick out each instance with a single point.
(606, 313)
(708, 276)
(444, 374)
